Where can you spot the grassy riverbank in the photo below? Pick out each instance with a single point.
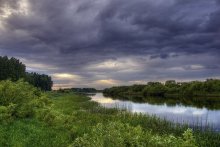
(74, 120)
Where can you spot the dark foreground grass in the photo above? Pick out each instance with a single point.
(71, 116)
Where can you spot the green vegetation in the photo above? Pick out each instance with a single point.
(19, 100)
(11, 69)
(116, 134)
(79, 90)
(42, 81)
(194, 93)
(66, 119)
(14, 70)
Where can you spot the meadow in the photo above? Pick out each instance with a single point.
(61, 119)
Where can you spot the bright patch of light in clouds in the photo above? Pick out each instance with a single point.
(65, 76)
(106, 83)
(177, 69)
(196, 67)
(7, 10)
(24, 7)
(121, 64)
(35, 66)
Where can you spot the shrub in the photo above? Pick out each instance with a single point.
(46, 115)
(5, 113)
(20, 99)
(116, 134)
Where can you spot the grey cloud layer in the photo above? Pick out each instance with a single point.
(154, 39)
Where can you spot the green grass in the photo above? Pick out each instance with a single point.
(72, 116)
(32, 133)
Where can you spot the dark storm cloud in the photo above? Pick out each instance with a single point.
(99, 40)
(177, 27)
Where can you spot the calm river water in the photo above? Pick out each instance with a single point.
(177, 113)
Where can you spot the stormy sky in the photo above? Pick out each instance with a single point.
(104, 43)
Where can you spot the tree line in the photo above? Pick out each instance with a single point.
(78, 90)
(13, 69)
(40, 80)
(84, 90)
(171, 88)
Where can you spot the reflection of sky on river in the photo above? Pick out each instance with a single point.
(178, 113)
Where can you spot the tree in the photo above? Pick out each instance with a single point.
(42, 81)
(11, 69)
(14, 70)
(154, 89)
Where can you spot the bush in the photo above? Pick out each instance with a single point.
(50, 117)
(116, 134)
(20, 99)
(5, 113)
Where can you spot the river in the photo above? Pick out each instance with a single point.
(177, 113)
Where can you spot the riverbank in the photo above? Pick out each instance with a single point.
(210, 101)
(72, 116)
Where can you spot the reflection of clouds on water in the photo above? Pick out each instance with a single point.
(105, 101)
(200, 112)
(178, 113)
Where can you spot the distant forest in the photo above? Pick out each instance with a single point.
(79, 90)
(171, 88)
(12, 69)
